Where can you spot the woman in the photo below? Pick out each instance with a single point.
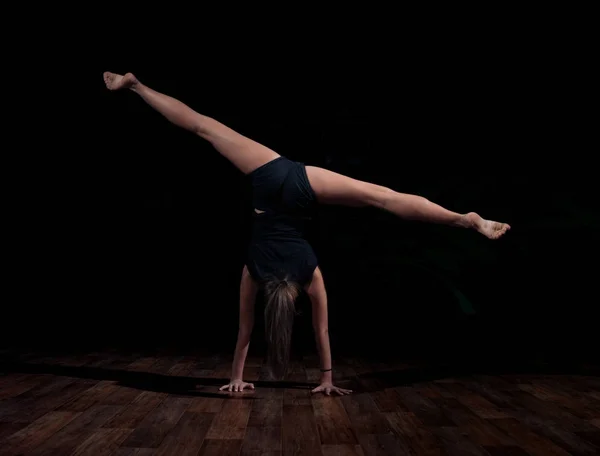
(279, 259)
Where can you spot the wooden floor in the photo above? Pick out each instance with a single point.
(133, 404)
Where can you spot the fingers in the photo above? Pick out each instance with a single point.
(244, 386)
(329, 390)
(237, 387)
(342, 391)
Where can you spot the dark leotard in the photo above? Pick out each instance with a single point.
(278, 247)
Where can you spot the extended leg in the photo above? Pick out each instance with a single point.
(333, 188)
(243, 152)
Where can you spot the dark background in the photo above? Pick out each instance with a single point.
(132, 232)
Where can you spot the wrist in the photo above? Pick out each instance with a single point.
(326, 377)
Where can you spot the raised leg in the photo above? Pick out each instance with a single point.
(243, 152)
(334, 188)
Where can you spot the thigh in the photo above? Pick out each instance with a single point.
(334, 188)
(245, 153)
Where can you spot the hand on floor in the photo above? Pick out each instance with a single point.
(237, 385)
(328, 388)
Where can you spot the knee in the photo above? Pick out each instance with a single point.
(200, 129)
(379, 196)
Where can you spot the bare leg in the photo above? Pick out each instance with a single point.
(333, 188)
(243, 152)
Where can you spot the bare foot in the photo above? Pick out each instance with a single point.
(116, 81)
(489, 228)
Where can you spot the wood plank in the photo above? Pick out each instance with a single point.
(78, 430)
(124, 451)
(528, 440)
(92, 396)
(231, 421)
(251, 374)
(102, 442)
(48, 385)
(16, 384)
(432, 390)
(455, 444)
(182, 368)
(332, 421)
(313, 375)
(364, 415)
(142, 364)
(8, 429)
(424, 408)
(297, 396)
(208, 404)
(300, 433)
(228, 447)
(132, 415)
(475, 402)
(416, 435)
(545, 393)
(74, 360)
(590, 437)
(151, 431)
(382, 445)
(557, 433)
(513, 415)
(163, 364)
(261, 440)
(187, 436)
(33, 435)
(388, 400)
(478, 430)
(220, 371)
(521, 403)
(11, 378)
(565, 388)
(506, 451)
(116, 361)
(267, 408)
(342, 450)
(38, 401)
(123, 395)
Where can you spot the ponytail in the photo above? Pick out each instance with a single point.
(280, 309)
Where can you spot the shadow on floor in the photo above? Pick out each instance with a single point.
(362, 383)
(149, 381)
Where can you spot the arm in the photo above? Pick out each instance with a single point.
(318, 298)
(248, 291)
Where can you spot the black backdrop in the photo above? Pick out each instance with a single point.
(132, 232)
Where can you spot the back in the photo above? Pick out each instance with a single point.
(282, 194)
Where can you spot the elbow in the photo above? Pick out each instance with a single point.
(321, 330)
(244, 334)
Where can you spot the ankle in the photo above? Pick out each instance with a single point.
(132, 82)
(465, 221)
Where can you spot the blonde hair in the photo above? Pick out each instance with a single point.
(280, 309)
